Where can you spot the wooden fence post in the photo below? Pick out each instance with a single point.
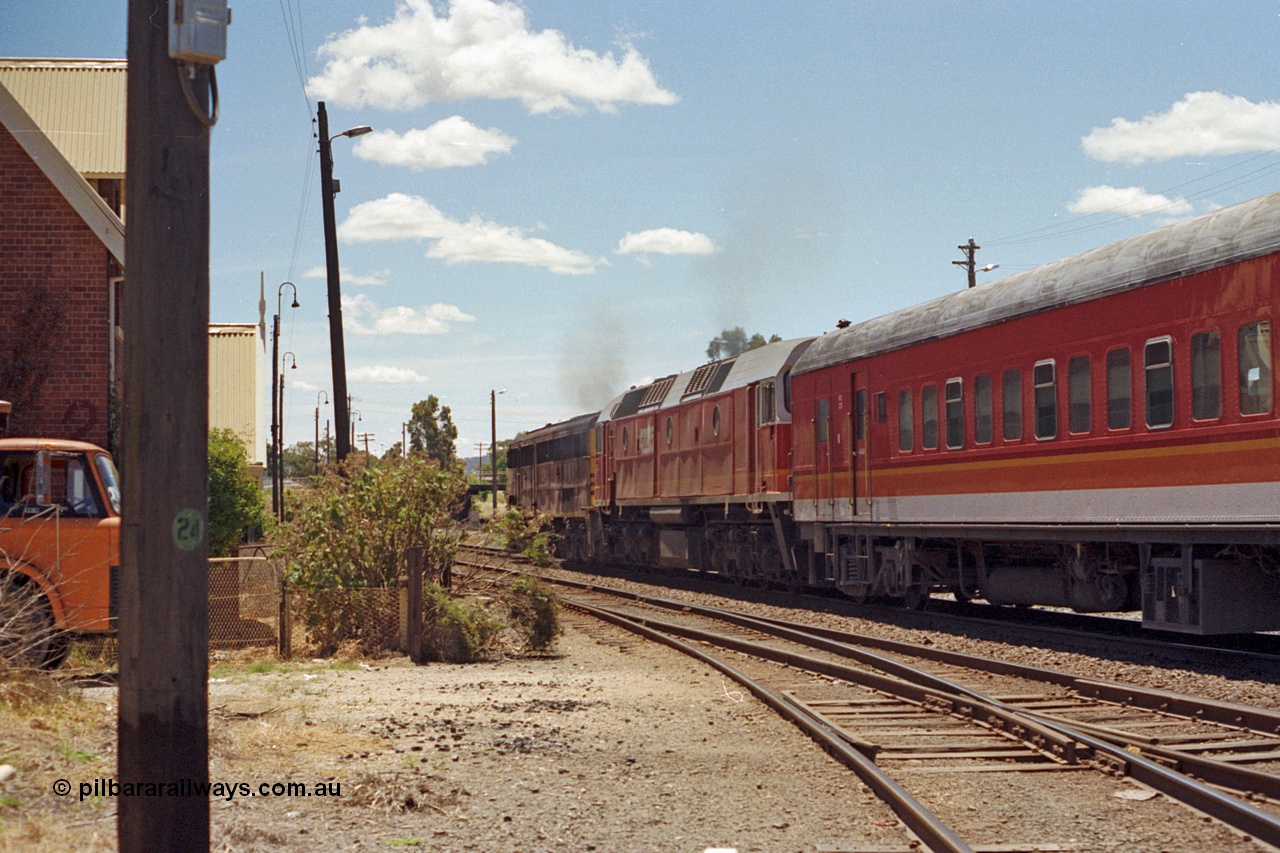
(411, 605)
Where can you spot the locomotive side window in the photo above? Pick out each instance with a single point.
(671, 431)
(1044, 379)
(954, 391)
(1255, 368)
(824, 412)
(624, 440)
(882, 409)
(860, 415)
(1011, 404)
(1119, 390)
(929, 417)
(982, 409)
(1158, 362)
(715, 421)
(906, 421)
(1206, 376)
(1079, 395)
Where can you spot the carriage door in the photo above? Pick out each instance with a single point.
(859, 459)
(824, 445)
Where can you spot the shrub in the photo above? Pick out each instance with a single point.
(533, 610)
(524, 535)
(457, 630)
(350, 532)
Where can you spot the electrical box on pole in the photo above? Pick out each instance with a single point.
(198, 31)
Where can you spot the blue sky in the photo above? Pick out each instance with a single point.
(562, 199)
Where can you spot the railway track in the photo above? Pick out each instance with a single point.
(903, 717)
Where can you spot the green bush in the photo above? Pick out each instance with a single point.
(533, 611)
(524, 535)
(457, 630)
(350, 531)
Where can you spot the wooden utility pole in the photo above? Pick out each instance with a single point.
(969, 250)
(164, 573)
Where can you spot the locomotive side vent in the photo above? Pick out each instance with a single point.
(700, 380)
(657, 392)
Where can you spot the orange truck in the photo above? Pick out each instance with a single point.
(59, 546)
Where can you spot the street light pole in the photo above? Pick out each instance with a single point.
(342, 414)
(280, 433)
(277, 505)
(493, 445)
(317, 448)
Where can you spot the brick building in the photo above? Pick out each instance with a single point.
(61, 244)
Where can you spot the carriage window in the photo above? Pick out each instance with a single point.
(1158, 362)
(955, 413)
(823, 415)
(982, 409)
(1044, 379)
(906, 421)
(1119, 390)
(1255, 368)
(929, 417)
(1206, 376)
(1079, 395)
(1011, 404)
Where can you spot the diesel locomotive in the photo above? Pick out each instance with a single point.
(1100, 433)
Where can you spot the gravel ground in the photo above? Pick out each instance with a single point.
(609, 744)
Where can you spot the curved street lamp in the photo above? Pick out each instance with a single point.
(277, 466)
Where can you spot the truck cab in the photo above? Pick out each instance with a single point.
(59, 547)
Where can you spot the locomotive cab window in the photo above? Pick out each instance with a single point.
(1079, 395)
(929, 417)
(954, 391)
(982, 409)
(1158, 365)
(1011, 404)
(1119, 390)
(1206, 376)
(906, 421)
(1044, 378)
(1255, 368)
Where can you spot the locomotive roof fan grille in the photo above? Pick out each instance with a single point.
(657, 392)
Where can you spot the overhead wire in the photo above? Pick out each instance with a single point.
(1088, 222)
(292, 15)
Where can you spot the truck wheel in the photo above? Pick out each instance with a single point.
(29, 637)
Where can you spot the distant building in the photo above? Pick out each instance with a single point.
(234, 367)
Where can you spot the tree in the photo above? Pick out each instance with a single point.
(235, 501)
(431, 431)
(733, 342)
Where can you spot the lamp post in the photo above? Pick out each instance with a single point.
(279, 438)
(276, 504)
(329, 188)
(493, 445)
(325, 394)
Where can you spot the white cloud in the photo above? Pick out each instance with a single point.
(1201, 124)
(382, 374)
(1132, 202)
(478, 49)
(403, 217)
(453, 141)
(373, 279)
(370, 319)
(665, 241)
(303, 385)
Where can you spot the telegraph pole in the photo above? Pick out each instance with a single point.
(162, 726)
(341, 406)
(969, 250)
